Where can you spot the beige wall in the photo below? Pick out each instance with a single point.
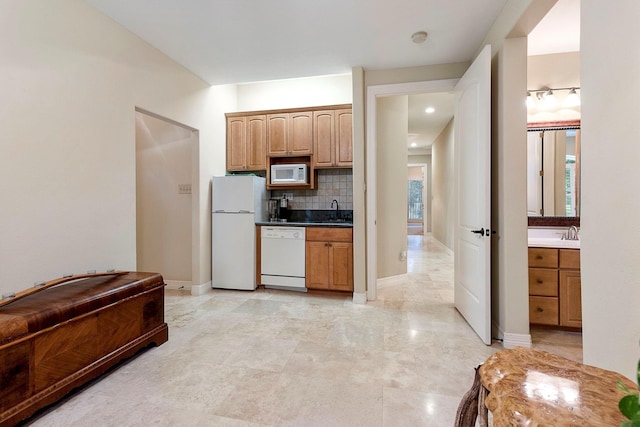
(609, 222)
(415, 173)
(163, 215)
(392, 133)
(415, 74)
(510, 302)
(443, 205)
(69, 139)
(293, 93)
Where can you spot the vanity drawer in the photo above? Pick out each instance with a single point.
(543, 310)
(543, 257)
(543, 282)
(569, 258)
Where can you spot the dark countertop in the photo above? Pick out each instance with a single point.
(314, 218)
(305, 224)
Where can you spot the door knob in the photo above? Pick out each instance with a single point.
(480, 232)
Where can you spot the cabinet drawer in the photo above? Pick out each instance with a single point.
(543, 310)
(329, 234)
(543, 257)
(543, 282)
(569, 258)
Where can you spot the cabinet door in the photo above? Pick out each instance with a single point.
(570, 298)
(277, 134)
(323, 138)
(543, 257)
(317, 265)
(344, 138)
(543, 282)
(300, 133)
(256, 147)
(341, 266)
(236, 146)
(543, 310)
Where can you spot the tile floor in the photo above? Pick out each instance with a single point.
(276, 358)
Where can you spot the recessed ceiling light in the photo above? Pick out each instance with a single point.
(419, 37)
(429, 110)
(413, 144)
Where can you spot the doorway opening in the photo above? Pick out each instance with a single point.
(416, 217)
(165, 208)
(373, 94)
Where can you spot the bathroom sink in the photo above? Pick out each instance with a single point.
(550, 238)
(551, 242)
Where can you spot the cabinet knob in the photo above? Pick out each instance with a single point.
(540, 281)
(539, 309)
(539, 257)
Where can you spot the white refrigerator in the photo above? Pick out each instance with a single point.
(237, 202)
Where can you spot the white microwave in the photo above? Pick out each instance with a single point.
(289, 174)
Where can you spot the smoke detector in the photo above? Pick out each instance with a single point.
(419, 37)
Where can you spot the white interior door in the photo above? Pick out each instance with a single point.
(472, 247)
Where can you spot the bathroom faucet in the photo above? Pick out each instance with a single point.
(571, 234)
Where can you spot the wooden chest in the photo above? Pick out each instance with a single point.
(55, 340)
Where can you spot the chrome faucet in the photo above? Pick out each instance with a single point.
(571, 234)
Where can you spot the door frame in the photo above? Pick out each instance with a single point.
(374, 92)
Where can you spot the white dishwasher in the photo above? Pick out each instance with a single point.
(282, 256)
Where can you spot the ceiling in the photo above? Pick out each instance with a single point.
(238, 41)
(235, 41)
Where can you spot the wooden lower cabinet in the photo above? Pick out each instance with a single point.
(329, 258)
(570, 298)
(554, 287)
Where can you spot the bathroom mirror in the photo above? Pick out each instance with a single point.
(553, 171)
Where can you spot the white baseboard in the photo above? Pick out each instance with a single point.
(201, 289)
(359, 298)
(516, 340)
(392, 280)
(510, 340)
(178, 285)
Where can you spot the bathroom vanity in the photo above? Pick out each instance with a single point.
(554, 286)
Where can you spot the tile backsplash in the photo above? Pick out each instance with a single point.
(332, 184)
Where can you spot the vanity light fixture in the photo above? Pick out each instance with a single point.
(549, 99)
(429, 110)
(531, 102)
(572, 100)
(546, 98)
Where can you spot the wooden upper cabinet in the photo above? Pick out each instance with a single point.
(324, 138)
(301, 133)
(332, 139)
(236, 145)
(324, 133)
(344, 138)
(277, 134)
(256, 143)
(290, 134)
(246, 143)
